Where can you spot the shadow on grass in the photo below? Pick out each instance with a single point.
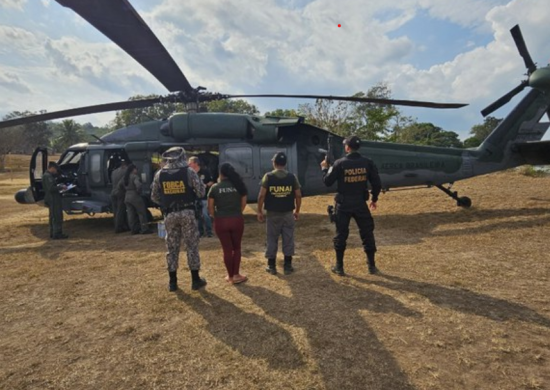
(344, 346)
(462, 300)
(403, 229)
(250, 334)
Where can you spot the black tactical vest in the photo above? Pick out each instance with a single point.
(175, 191)
(353, 178)
(280, 193)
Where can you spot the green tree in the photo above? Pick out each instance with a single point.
(134, 116)
(33, 134)
(481, 131)
(283, 113)
(90, 130)
(70, 133)
(427, 134)
(335, 116)
(375, 121)
(10, 140)
(370, 121)
(234, 106)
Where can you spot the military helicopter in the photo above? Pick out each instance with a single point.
(249, 142)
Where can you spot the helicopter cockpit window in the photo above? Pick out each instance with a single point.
(71, 158)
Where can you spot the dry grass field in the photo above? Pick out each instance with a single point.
(462, 301)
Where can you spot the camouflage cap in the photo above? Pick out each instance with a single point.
(174, 153)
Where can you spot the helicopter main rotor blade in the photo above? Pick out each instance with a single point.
(522, 48)
(121, 23)
(504, 99)
(412, 103)
(81, 111)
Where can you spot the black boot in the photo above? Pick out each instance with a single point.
(173, 284)
(372, 265)
(288, 265)
(338, 269)
(271, 267)
(197, 281)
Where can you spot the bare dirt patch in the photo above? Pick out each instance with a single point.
(463, 301)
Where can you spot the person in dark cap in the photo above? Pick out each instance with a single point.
(52, 199)
(281, 194)
(352, 174)
(175, 188)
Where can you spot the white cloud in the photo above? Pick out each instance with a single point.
(14, 4)
(291, 46)
(12, 83)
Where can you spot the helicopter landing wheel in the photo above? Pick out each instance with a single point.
(464, 201)
(461, 201)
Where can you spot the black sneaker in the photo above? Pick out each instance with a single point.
(338, 271)
(172, 286)
(197, 284)
(60, 236)
(373, 270)
(288, 269)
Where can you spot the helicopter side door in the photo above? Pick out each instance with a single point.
(38, 165)
(241, 156)
(253, 161)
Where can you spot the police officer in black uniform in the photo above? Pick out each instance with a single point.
(353, 173)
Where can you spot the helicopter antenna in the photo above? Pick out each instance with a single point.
(99, 139)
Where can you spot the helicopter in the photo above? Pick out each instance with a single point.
(248, 142)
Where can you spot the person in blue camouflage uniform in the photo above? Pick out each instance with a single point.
(171, 190)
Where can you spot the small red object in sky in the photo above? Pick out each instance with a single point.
(339, 25)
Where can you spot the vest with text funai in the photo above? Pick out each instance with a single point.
(280, 193)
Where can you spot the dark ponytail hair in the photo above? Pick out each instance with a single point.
(127, 174)
(228, 171)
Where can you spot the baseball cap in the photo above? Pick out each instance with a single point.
(279, 159)
(353, 142)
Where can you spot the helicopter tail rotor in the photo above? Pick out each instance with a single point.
(529, 64)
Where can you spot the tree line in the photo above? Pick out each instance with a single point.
(367, 120)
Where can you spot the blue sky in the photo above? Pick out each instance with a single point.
(424, 49)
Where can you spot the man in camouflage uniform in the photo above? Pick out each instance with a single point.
(175, 188)
(117, 199)
(52, 199)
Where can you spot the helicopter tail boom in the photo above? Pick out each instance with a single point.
(522, 125)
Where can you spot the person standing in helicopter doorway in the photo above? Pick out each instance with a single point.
(52, 199)
(118, 194)
(205, 223)
(135, 206)
(283, 198)
(352, 174)
(175, 188)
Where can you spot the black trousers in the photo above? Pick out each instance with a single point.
(364, 221)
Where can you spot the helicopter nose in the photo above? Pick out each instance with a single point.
(24, 196)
